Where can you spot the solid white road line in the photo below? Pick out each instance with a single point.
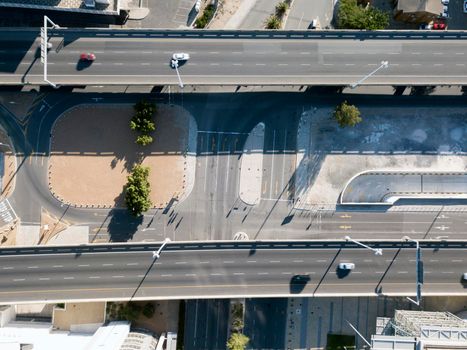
(68, 278)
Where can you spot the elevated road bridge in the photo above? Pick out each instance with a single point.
(226, 269)
(142, 57)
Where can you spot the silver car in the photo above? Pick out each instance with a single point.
(346, 266)
(181, 56)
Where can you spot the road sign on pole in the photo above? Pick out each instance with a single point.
(45, 47)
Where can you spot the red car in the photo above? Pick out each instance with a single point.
(87, 56)
(439, 26)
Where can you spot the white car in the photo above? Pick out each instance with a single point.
(346, 266)
(464, 276)
(445, 2)
(181, 56)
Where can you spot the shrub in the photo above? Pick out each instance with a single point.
(281, 8)
(204, 19)
(273, 22)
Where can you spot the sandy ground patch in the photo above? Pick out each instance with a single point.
(50, 227)
(225, 11)
(78, 314)
(8, 179)
(8, 234)
(93, 149)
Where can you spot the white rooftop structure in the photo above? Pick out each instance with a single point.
(41, 336)
(108, 7)
(421, 330)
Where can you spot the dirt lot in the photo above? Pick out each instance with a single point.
(93, 149)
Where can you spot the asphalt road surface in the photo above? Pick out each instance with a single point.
(213, 210)
(207, 270)
(235, 58)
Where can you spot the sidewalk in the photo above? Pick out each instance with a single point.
(302, 13)
(251, 168)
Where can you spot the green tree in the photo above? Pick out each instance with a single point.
(137, 190)
(353, 16)
(144, 140)
(237, 341)
(273, 22)
(346, 115)
(149, 310)
(129, 312)
(281, 8)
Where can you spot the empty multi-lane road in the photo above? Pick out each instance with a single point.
(236, 58)
(225, 269)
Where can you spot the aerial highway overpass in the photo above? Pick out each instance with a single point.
(226, 269)
(142, 57)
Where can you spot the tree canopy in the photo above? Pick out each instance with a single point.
(351, 15)
(138, 190)
(237, 341)
(346, 115)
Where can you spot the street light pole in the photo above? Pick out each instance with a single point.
(45, 47)
(384, 64)
(419, 271)
(157, 254)
(175, 65)
(377, 251)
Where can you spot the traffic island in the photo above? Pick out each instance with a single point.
(93, 150)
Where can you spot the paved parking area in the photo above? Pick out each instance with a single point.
(164, 14)
(395, 139)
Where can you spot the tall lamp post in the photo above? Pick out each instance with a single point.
(377, 251)
(157, 254)
(384, 64)
(174, 64)
(45, 46)
(419, 270)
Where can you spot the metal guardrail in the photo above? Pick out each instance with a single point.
(258, 34)
(226, 245)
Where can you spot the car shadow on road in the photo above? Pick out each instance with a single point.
(83, 64)
(298, 283)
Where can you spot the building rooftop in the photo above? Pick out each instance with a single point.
(431, 6)
(76, 5)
